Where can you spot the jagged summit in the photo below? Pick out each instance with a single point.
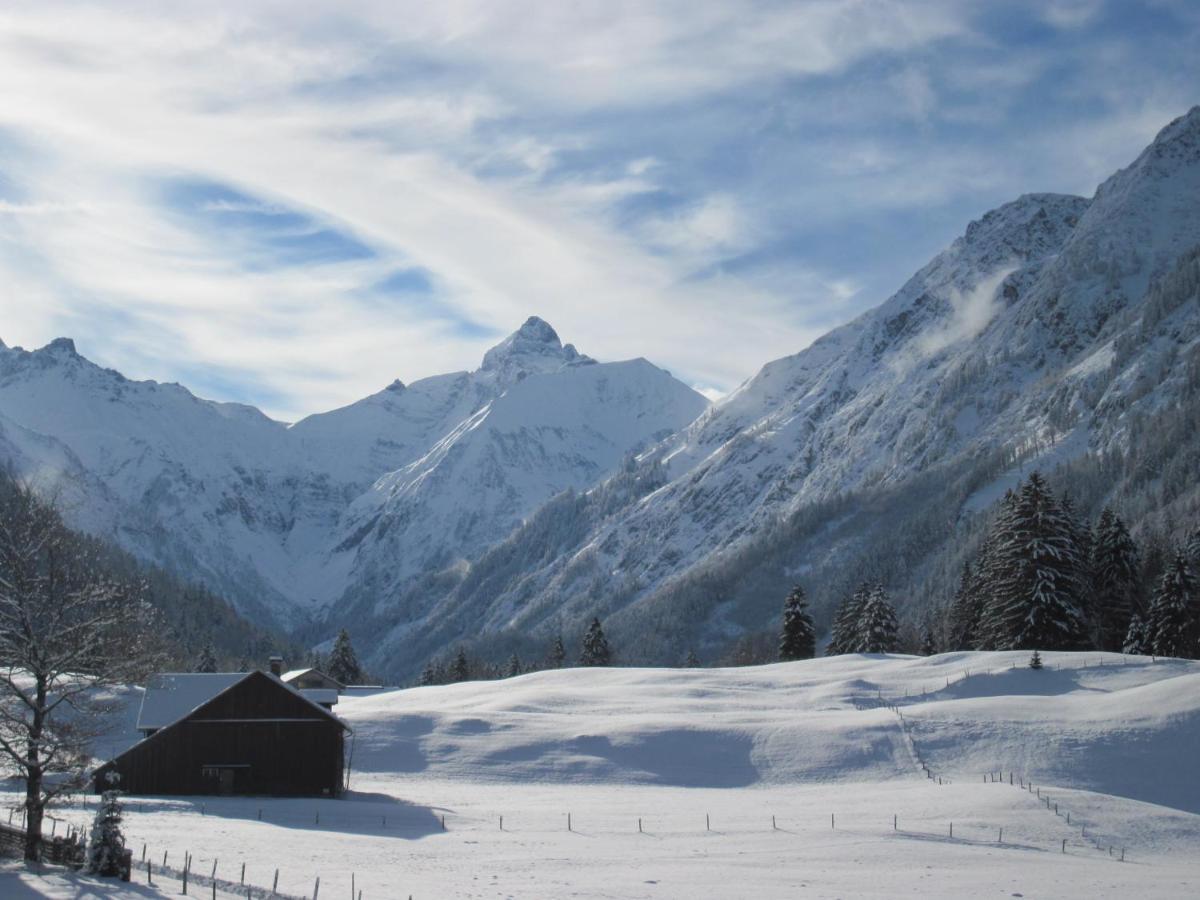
(61, 345)
(534, 347)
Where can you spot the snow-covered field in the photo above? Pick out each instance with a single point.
(788, 780)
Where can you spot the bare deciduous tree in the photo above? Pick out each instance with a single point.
(67, 631)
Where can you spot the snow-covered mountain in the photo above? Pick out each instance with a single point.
(511, 503)
(1038, 336)
(284, 519)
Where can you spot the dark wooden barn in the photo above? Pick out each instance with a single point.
(253, 734)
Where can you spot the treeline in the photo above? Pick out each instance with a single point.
(594, 650)
(1042, 579)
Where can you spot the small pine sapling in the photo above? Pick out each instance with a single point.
(106, 844)
(1035, 661)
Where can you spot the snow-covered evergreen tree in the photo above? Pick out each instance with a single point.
(991, 574)
(929, 643)
(877, 626)
(343, 662)
(1193, 549)
(1036, 601)
(1174, 620)
(797, 639)
(558, 654)
(1137, 638)
(1114, 579)
(207, 660)
(1035, 661)
(106, 843)
(844, 635)
(692, 661)
(596, 651)
(428, 675)
(966, 611)
(460, 669)
(514, 666)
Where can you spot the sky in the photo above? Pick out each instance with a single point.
(293, 204)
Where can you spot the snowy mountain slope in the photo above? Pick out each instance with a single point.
(545, 434)
(1038, 334)
(777, 781)
(258, 509)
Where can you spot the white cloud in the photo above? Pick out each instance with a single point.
(481, 142)
(970, 314)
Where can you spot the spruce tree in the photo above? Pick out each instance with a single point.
(460, 669)
(1114, 579)
(928, 640)
(106, 843)
(1192, 548)
(878, 630)
(844, 635)
(1035, 661)
(692, 661)
(798, 638)
(428, 675)
(343, 663)
(966, 611)
(595, 651)
(1174, 619)
(514, 666)
(207, 661)
(1137, 638)
(991, 574)
(558, 654)
(1037, 602)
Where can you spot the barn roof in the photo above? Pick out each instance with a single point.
(170, 696)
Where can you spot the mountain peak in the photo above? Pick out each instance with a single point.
(62, 345)
(534, 347)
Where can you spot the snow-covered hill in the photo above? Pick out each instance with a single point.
(1039, 335)
(283, 519)
(787, 780)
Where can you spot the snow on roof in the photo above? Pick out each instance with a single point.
(288, 677)
(172, 695)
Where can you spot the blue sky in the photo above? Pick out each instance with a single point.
(293, 204)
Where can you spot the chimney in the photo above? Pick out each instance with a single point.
(276, 663)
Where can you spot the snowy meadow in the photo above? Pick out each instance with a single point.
(869, 776)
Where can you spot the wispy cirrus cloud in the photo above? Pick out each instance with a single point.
(293, 204)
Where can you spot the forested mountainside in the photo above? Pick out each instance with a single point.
(186, 621)
(1057, 333)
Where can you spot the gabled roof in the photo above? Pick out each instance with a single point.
(172, 695)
